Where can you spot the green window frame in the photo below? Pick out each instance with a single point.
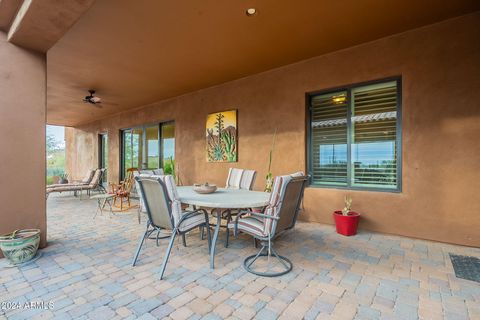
(354, 136)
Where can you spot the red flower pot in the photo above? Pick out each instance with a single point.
(346, 225)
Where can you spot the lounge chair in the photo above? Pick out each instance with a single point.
(280, 215)
(165, 212)
(84, 181)
(94, 185)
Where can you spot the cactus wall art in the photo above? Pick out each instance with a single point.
(221, 136)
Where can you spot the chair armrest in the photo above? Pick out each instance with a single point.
(189, 214)
(256, 214)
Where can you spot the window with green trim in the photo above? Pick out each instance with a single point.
(354, 137)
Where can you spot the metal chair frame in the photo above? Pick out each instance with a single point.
(175, 229)
(267, 241)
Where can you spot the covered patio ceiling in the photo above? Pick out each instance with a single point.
(138, 52)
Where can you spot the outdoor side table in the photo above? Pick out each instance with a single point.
(102, 200)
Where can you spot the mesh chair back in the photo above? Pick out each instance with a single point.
(156, 200)
(139, 191)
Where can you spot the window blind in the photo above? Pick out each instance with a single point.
(329, 138)
(374, 126)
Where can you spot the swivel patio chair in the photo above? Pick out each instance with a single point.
(280, 215)
(164, 212)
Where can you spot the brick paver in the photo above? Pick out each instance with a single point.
(86, 273)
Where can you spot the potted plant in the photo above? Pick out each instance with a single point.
(64, 178)
(20, 246)
(346, 221)
(269, 176)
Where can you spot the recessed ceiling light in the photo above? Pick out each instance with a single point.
(251, 12)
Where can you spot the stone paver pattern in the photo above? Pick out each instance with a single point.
(86, 273)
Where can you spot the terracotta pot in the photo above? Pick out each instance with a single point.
(346, 225)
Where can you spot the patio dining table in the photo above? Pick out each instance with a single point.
(220, 200)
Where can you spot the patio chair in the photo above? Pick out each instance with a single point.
(240, 179)
(123, 189)
(84, 181)
(141, 205)
(236, 179)
(92, 186)
(165, 212)
(280, 215)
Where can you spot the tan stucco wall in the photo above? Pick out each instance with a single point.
(22, 142)
(440, 69)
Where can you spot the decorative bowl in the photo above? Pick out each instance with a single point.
(204, 188)
(20, 246)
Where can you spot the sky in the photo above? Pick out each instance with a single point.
(58, 132)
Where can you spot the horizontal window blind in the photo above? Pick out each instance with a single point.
(329, 138)
(354, 143)
(374, 123)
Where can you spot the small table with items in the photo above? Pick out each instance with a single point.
(102, 200)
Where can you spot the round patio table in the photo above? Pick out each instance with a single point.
(222, 199)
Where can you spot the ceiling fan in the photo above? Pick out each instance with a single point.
(92, 98)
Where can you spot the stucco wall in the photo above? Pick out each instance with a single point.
(22, 142)
(440, 69)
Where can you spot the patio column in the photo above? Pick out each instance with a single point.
(22, 138)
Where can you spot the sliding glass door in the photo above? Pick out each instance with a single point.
(145, 146)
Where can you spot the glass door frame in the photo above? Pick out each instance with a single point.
(143, 127)
(102, 160)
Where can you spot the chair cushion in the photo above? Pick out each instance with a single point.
(251, 225)
(275, 202)
(234, 178)
(88, 176)
(248, 177)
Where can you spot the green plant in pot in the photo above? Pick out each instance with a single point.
(63, 178)
(346, 220)
(20, 246)
(269, 176)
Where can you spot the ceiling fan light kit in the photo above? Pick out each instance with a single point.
(91, 98)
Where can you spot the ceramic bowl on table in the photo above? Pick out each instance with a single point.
(204, 188)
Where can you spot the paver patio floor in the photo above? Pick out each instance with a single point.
(85, 271)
